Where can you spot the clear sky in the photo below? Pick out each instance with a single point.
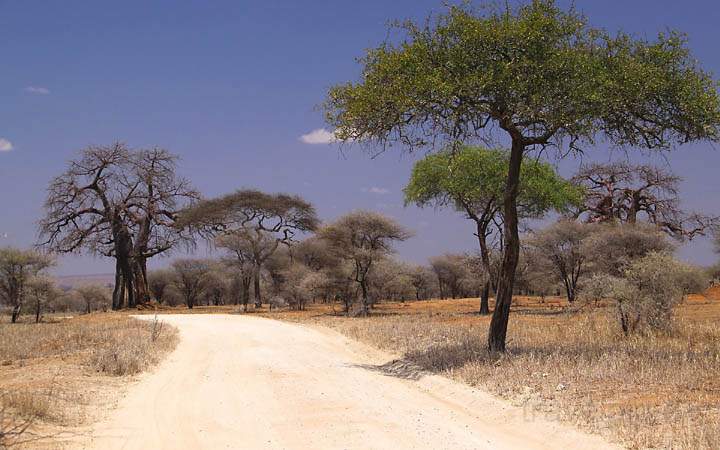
(231, 86)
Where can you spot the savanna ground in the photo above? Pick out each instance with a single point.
(64, 372)
(569, 363)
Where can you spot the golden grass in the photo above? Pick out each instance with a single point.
(53, 374)
(659, 391)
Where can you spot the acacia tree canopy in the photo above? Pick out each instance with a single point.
(256, 223)
(537, 75)
(363, 238)
(472, 179)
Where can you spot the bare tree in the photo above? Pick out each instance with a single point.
(158, 283)
(561, 247)
(421, 278)
(263, 220)
(94, 297)
(17, 269)
(451, 270)
(615, 246)
(42, 292)
(624, 192)
(363, 238)
(190, 279)
(117, 203)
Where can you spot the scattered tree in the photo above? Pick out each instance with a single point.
(472, 179)
(647, 291)
(540, 75)
(623, 192)
(158, 283)
(118, 203)
(94, 297)
(190, 279)
(363, 238)
(263, 221)
(17, 270)
(561, 247)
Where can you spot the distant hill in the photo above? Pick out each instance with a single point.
(73, 281)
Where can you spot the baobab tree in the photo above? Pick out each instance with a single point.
(536, 75)
(263, 220)
(471, 179)
(363, 238)
(624, 192)
(118, 203)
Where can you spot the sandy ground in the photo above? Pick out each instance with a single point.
(239, 382)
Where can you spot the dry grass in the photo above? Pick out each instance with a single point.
(659, 391)
(53, 374)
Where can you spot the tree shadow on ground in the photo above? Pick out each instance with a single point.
(399, 368)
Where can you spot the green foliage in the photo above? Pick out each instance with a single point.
(473, 178)
(540, 73)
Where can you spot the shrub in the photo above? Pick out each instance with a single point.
(647, 291)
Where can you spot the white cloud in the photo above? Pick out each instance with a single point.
(37, 90)
(319, 136)
(5, 145)
(376, 190)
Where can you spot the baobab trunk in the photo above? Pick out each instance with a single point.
(142, 292)
(258, 297)
(118, 296)
(511, 252)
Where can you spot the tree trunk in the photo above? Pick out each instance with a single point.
(485, 299)
(256, 288)
(142, 294)
(15, 313)
(364, 305)
(37, 311)
(118, 296)
(511, 252)
(485, 258)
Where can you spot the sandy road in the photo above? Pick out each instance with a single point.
(239, 382)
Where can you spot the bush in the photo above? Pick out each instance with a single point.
(647, 291)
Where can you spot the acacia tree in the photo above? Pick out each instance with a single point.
(190, 279)
(94, 297)
(536, 75)
(241, 261)
(472, 180)
(363, 238)
(562, 248)
(421, 279)
(624, 192)
(450, 270)
(42, 292)
(263, 220)
(158, 283)
(17, 270)
(118, 203)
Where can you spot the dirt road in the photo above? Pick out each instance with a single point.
(239, 382)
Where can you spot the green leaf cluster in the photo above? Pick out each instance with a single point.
(473, 180)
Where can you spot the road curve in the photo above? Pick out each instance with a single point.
(241, 382)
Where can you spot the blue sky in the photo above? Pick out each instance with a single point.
(231, 86)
